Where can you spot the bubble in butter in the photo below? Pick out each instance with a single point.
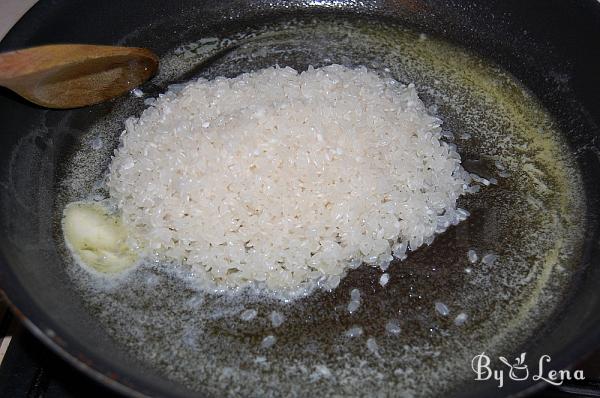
(97, 238)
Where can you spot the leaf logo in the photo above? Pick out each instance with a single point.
(519, 370)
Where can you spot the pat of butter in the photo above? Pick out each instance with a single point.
(97, 238)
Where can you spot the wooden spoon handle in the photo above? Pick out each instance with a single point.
(20, 63)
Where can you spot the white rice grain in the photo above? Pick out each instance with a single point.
(442, 308)
(137, 93)
(276, 319)
(460, 319)
(393, 327)
(354, 331)
(353, 306)
(281, 178)
(489, 259)
(472, 256)
(384, 279)
(268, 342)
(373, 346)
(248, 315)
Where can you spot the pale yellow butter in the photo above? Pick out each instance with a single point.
(97, 238)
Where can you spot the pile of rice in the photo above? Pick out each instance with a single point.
(286, 178)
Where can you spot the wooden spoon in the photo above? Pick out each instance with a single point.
(74, 75)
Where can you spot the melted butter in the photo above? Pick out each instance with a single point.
(534, 220)
(96, 238)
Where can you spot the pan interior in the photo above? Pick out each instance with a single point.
(532, 220)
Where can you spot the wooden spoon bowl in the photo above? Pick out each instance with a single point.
(75, 75)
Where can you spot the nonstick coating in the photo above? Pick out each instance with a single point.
(538, 42)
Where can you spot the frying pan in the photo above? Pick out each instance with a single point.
(541, 56)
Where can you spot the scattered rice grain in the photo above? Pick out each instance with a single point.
(442, 308)
(268, 341)
(248, 315)
(472, 255)
(137, 93)
(384, 279)
(392, 327)
(460, 319)
(354, 331)
(276, 319)
(489, 259)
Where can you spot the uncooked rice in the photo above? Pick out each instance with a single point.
(283, 178)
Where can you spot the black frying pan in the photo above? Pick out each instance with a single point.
(549, 46)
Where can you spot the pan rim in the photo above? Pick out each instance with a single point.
(100, 367)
